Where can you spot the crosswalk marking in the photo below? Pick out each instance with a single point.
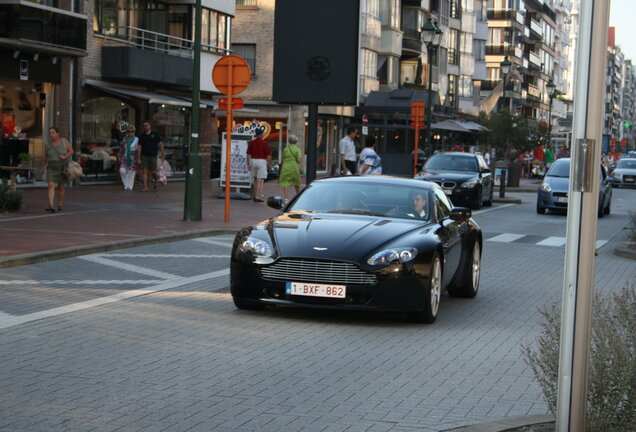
(506, 238)
(527, 239)
(553, 241)
(79, 282)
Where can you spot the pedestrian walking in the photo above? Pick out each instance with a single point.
(562, 153)
(150, 145)
(347, 149)
(549, 156)
(259, 159)
(128, 157)
(290, 171)
(370, 161)
(58, 152)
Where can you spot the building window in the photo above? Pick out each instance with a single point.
(453, 44)
(455, 11)
(466, 87)
(466, 44)
(247, 3)
(452, 90)
(369, 71)
(248, 52)
(390, 14)
(104, 121)
(371, 24)
(479, 50)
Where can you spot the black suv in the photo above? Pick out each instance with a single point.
(464, 177)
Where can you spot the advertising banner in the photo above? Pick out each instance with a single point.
(239, 175)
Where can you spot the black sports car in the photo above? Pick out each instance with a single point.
(365, 243)
(465, 177)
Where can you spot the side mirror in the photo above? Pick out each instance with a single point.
(276, 202)
(460, 214)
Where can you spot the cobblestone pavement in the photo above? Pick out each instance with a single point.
(147, 339)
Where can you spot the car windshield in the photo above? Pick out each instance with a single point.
(374, 199)
(561, 168)
(627, 164)
(448, 162)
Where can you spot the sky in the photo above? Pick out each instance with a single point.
(623, 17)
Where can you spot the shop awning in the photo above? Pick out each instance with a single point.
(450, 125)
(473, 126)
(153, 98)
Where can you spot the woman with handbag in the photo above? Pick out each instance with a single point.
(58, 153)
(128, 155)
(290, 171)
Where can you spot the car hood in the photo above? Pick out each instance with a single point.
(456, 176)
(335, 236)
(624, 171)
(558, 184)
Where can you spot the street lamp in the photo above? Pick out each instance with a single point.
(505, 68)
(432, 37)
(552, 92)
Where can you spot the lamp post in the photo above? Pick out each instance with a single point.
(431, 36)
(505, 68)
(552, 92)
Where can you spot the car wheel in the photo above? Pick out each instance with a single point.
(477, 202)
(607, 209)
(489, 202)
(469, 286)
(241, 303)
(540, 209)
(433, 295)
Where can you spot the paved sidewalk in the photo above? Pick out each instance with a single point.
(105, 217)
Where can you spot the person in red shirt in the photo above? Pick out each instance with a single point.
(259, 159)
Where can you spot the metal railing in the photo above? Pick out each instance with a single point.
(154, 41)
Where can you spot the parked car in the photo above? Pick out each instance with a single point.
(359, 243)
(465, 177)
(553, 192)
(625, 173)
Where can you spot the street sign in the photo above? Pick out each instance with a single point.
(365, 120)
(237, 103)
(231, 75)
(365, 130)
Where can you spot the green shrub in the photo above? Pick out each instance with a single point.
(9, 200)
(611, 400)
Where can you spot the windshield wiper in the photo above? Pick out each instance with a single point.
(360, 212)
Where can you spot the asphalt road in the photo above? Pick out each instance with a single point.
(147, 339)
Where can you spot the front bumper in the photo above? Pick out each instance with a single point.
(402, 293)
(462, 195)
(552, 200)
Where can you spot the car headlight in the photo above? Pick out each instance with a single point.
(470, 184)
(545, 187)
(256, 247)
(617, 176)
(393, 255)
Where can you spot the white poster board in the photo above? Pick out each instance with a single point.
(239, 175)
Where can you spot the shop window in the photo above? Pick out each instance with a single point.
(103, 124)
(172, 123)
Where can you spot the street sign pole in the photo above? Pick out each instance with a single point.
(312, 120)
(231, 75)
(578, 280)
(417, 119)
(192, 205)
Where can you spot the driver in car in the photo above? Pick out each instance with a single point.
(416, 208)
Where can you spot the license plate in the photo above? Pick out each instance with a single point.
(562, 199)
(628, 179)
(448, 191)
(316, 290)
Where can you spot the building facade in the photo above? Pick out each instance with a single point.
(42, 44)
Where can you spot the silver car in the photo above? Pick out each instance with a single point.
(625, 173)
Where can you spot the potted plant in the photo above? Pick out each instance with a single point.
(25, 159)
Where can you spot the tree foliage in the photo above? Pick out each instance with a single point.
(507, 133)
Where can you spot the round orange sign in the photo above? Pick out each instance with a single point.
(231, 75)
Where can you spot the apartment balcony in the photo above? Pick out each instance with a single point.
(535, 27)
(132, 54)
(533, 92)
(534, 59)
(504, 50)
(412, 41)
(30, 26)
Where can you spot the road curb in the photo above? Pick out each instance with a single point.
(507, 200)
(73, 251)
(505, 424)
(625, 252)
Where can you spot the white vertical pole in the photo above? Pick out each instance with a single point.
(578, 284)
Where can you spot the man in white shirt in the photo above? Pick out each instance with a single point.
(348, 152)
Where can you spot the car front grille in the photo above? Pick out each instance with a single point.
(304, 270)
(628, 179)
(446, 184)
